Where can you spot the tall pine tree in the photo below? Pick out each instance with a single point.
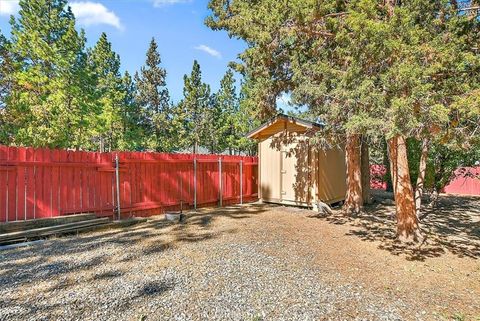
(190, 112)
(110, 97)
(228, 122)
(6, 71)
(132, 117)
(152, 95)
(45, 106)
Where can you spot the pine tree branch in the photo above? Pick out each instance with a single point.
(476, 8)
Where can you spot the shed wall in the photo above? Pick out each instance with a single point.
(331, 178)
(291, 173)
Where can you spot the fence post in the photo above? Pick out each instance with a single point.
(241, 182)
(195, 183)
(117, 179)
(220, 187)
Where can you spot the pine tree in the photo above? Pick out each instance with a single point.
(110, 97)
(220, 126)
(248, 117)
(6, 71)
(44, 107)
(366, 67)
(132, 117)
(228, 103)
(190, 112)
(212, 136)
(152, 95)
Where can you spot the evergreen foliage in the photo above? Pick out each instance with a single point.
(194, 111)
(55, 92)
(109, 96)
(153, 95)
(43, 104)
(414, 75)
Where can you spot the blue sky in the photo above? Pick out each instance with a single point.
(177, 25)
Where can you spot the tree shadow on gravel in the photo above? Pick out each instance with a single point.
(71, 261)
(57, 257)
(453, 226)
(46, 268)
(155, 288)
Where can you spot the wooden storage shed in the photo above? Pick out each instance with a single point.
(290, 171)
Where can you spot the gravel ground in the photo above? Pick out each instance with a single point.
(248, 263)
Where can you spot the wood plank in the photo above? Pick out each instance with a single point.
(55, 188)
(12, 187)
(43, 222)
(45, 231)
(3, 185)
(39, 195)
(47, 182)
(64, 177)
(77, 183)
(84, 182)
(30, 185)
(21, 186)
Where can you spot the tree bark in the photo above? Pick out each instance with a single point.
(407, 223)
(422, 168)
(386, 163)
(353, 199)
(365, 169)
(390, 4)
(195, 147)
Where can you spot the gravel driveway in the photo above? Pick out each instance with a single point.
(249, 263)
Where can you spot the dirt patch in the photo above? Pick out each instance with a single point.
(255, 262)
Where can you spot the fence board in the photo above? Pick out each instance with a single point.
(3, 183)
(20, 185)
(30, 184)
(464, 181)
(37, 183)
(11, 187)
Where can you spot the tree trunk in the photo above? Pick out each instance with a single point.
(365, 163)
(353, 199)
(407, 222)
(390, 4)
(386, 163)
(422, 168)
(195, 147)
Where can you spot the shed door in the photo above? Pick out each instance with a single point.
(295, 174)
(289, 176)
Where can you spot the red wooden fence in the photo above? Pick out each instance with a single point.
(465, 181)
(38, 183)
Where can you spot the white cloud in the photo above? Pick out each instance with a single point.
(8, 7)
(93, 13)
(212, 52)
(163, 3)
